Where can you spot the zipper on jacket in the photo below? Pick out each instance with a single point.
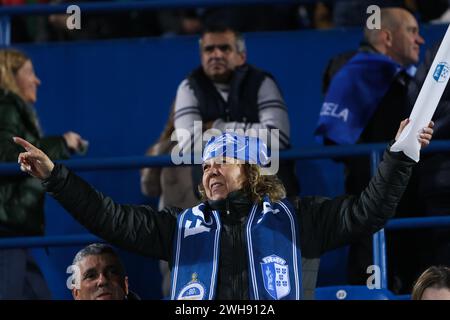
(235, 280)
(240, 281)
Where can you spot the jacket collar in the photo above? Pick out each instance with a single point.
(234, 208)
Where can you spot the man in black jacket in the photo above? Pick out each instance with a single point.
(245, 241)
(374, 105)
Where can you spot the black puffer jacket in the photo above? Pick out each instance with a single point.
(325, 224)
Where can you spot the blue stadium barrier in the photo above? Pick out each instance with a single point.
(319, 152)
(49, 241)
(353, 293)
(417, 223)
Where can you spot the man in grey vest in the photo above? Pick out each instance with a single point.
(226, 93)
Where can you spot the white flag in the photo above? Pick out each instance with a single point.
(426, 102)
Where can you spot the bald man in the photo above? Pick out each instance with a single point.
(365, 98)
(398, 37)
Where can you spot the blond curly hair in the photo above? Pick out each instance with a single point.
(257, 185)
(11, 60)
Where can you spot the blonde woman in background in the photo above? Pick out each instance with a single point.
(22, 197)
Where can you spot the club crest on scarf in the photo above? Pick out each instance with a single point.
(194, 290)
(275, 273)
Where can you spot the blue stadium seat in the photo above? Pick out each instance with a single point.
(353, 293)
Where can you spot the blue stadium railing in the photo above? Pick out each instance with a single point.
(117, 163)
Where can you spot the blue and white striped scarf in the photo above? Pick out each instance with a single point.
(273, 249)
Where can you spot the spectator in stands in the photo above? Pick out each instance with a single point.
(26, 28)
(431, 11)
(101, 273)
(434, 171)
(244, 212)
(362, 109)
(254, 18)
(172, 184)
(226, 93)
(433, 284)
(180, 22)
(21, 197)
(322, 16)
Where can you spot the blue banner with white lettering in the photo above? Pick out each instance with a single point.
(353, 96)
